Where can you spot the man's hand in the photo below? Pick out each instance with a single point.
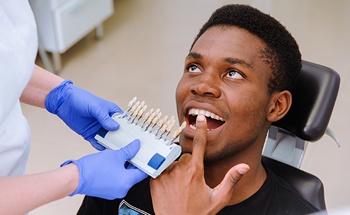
(181, 189)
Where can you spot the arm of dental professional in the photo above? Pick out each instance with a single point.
(82, 111)
(103, 174)
(181, 188)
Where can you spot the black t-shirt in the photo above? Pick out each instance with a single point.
(274, 197)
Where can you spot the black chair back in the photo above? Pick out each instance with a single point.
(313, 101)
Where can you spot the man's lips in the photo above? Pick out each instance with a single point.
(213, 120)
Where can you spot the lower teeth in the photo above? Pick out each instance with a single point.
(193, 126)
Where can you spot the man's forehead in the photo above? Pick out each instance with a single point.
(232, 44)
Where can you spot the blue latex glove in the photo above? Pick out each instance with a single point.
(106, 175)
(82, 111)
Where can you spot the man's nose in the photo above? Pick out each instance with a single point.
(207, 85)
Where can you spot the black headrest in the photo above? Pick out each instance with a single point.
(307, 185)
(313, 101)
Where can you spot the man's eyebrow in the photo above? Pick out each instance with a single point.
(238, 61)
(230, 60)
(194, 55)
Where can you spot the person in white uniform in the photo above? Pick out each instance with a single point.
(22, 81)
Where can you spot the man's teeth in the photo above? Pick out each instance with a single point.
(196, 112)
(194, 127)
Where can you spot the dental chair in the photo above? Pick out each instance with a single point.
(307, 121)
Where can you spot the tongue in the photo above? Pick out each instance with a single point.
(213, 124)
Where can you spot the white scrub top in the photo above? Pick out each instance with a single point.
(18, 49)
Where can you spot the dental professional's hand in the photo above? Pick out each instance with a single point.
(82, 111)
(106, 174)
(181, 188)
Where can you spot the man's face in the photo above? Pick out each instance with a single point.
(225, 79)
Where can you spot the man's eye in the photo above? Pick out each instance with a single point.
(234, 75)
(193, 68)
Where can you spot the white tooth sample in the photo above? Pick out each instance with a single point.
(147, 114)
(160, 122)
(140, 113)
(132, 109)
(137, 104)
(144, 108)
(155, 119)
(165, 118)
(162, 129)
(178, 131)
(175, 134)
(142, 104)
(183, 125)
(136, 110)
(195, 111)
(170, 126)
(171, 121)
(151, 117)
(157, 111)
(131, 103)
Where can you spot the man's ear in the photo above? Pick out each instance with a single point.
(280, 104)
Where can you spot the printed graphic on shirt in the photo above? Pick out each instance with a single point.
(127, 209)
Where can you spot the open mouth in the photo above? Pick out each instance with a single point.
(213, 121)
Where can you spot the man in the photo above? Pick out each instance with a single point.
(239, 74)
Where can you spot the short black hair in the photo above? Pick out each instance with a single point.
(282, 53)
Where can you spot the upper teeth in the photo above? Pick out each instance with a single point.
(206, 113)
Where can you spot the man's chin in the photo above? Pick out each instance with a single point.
(186, 146)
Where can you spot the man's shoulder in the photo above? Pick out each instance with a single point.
(274, 197)
(286, 200)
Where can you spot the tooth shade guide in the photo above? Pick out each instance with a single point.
(155, 146)
(152, 121)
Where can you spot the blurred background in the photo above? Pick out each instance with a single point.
(139, 50)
